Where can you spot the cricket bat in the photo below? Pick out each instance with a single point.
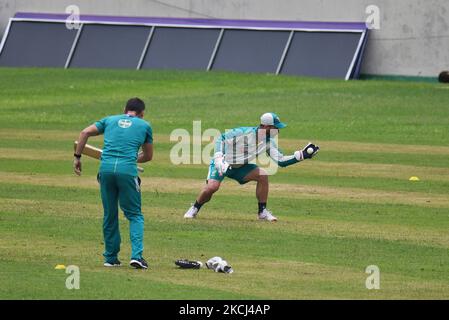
(94, 152)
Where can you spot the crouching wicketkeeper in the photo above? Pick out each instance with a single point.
(235, 150)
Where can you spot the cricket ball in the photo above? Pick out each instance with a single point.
(310, 150)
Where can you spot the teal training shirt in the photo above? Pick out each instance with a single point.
(240, 146)
(123, 137)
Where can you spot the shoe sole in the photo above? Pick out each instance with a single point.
(137, 265)
(262, 219)
(108, 265)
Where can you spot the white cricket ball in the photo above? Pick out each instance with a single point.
(310, 150)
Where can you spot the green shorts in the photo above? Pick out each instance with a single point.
(238, 174)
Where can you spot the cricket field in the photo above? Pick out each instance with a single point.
(351, 207)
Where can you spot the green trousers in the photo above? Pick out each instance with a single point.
(123, 189)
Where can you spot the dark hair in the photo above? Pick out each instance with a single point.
(444, 77)
(135, 104)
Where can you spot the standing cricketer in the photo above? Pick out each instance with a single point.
(235, 149)
(124, 135)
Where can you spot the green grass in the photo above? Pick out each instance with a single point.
(349, 208)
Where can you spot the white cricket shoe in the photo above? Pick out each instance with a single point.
(267, 215)
(191, 213)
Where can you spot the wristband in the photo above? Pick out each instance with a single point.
(299, 155)
(78, 156)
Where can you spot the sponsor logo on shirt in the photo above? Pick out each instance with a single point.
(125, 123)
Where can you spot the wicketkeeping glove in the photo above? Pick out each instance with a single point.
(219, 265)
(310, 150)
(220, 164)
(188, 264)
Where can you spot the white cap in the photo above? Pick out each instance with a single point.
(272, 119)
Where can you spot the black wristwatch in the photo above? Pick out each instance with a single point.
(77, 156)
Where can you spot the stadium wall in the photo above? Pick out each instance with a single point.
(413, 38)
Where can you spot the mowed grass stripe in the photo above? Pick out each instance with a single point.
(163, 153)
(375, 112)
(395, 258)
(284, 190)
(127, 283)
(344, 169)
(341, 154)
(296, 208)
(388, 171)
(35, 154)
(163, 281)
(292, 144)
(217, 219)
(291, 208)
(290, 175)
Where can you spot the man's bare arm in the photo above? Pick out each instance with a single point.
(84, 135)
(146, 154)
(82, 140)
